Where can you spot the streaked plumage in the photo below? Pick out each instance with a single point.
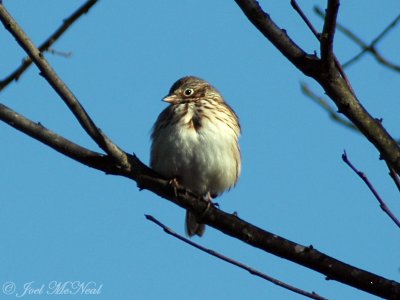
(195, 141)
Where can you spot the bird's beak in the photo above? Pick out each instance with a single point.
(170, 99)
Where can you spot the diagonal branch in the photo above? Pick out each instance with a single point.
(335, 117)
(371, 48)
(332, 82)
(307, 63)
(364, 178)
(148, 179)
(55, 141)
(229, 224)
(327, 61)
(385, 31)
(236, 263)
(62, 90)
(310, 26)
(330, 110)
(45, 46)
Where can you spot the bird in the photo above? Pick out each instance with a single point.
(194, 141)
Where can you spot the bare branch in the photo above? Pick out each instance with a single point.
(45, 46)
(318, 36)
(333, 83)
(297, 8)
(328, 34)
(236, 263)
(372, 49)
(333, 114)
(148, 179)
(385, 31)
(335, 117)
(224, 222)
(330, 110)
(394, 176)
(62, 90)
(363, 45)
(57, 142)
(364, 178)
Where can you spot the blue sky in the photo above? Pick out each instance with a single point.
(61, 221)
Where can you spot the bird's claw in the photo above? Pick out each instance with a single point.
(174, 183)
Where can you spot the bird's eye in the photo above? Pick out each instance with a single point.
(188, 92)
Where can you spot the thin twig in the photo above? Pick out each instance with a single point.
(385, 31)
(372, 49)
(236, 263)
(62, 90)
(329, 109)
(333, 114)
(364, 178)
(302, 15)
(365, 48)
(26, 62)
(334, 10)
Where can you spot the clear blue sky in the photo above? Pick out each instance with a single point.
(61, 221)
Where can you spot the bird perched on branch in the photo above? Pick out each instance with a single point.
(195, 142)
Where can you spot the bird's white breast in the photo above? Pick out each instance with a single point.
(204, 159)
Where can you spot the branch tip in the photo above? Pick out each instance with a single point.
(364, 178)
(236, 263)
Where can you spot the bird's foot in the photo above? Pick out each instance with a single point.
(207, 197)
(174, 183)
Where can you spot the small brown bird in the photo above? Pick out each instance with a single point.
(195, 141)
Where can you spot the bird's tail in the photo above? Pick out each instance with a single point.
(192, 226)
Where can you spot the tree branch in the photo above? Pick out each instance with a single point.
(328, 61)
(62, 90)
(45, 46)
(148, 179)
(310, 26)
(335, 117)
(382, 203)
(394, 176)
(230, 224)
(55, 141)
(330, 110)
(331, 81)
(236, 263)
(365, 48)
(307, 63)
(328, 33)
